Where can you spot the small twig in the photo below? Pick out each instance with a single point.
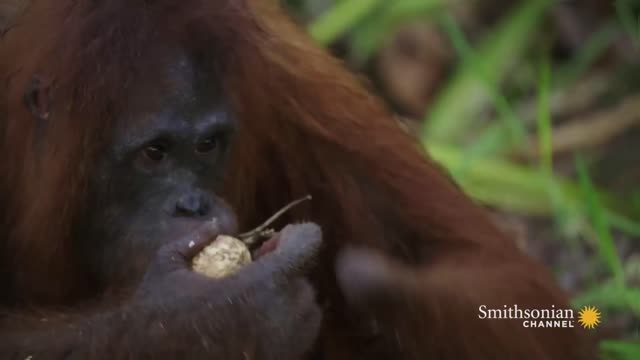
(250, 237)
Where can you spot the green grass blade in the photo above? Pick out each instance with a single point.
(620, 350)
(369, 34)
(606, 245)
(340, 18)
(465, 94)
(586, 55)
(629, 19)
(496, 182)
(624, 224)
(511, 121)
(521, 189)
(563, 216)
(545, 146)
(611, 297)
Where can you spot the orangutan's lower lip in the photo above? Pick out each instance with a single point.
(267, 247)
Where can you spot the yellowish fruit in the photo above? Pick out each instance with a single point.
(227, 254)
(222, 257)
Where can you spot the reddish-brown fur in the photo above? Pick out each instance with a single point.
(308, 126)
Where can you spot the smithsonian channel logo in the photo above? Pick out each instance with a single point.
(588, 317)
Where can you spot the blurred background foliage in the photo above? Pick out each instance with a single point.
(534, 107)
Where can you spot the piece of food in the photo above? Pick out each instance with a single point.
(228, 254)
(223, 257)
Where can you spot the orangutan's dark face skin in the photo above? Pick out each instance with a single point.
(158, 179)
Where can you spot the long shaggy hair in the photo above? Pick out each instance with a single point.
(308, 126)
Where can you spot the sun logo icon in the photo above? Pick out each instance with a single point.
(589, 317)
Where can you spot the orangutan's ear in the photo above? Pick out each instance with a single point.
(37, 98)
